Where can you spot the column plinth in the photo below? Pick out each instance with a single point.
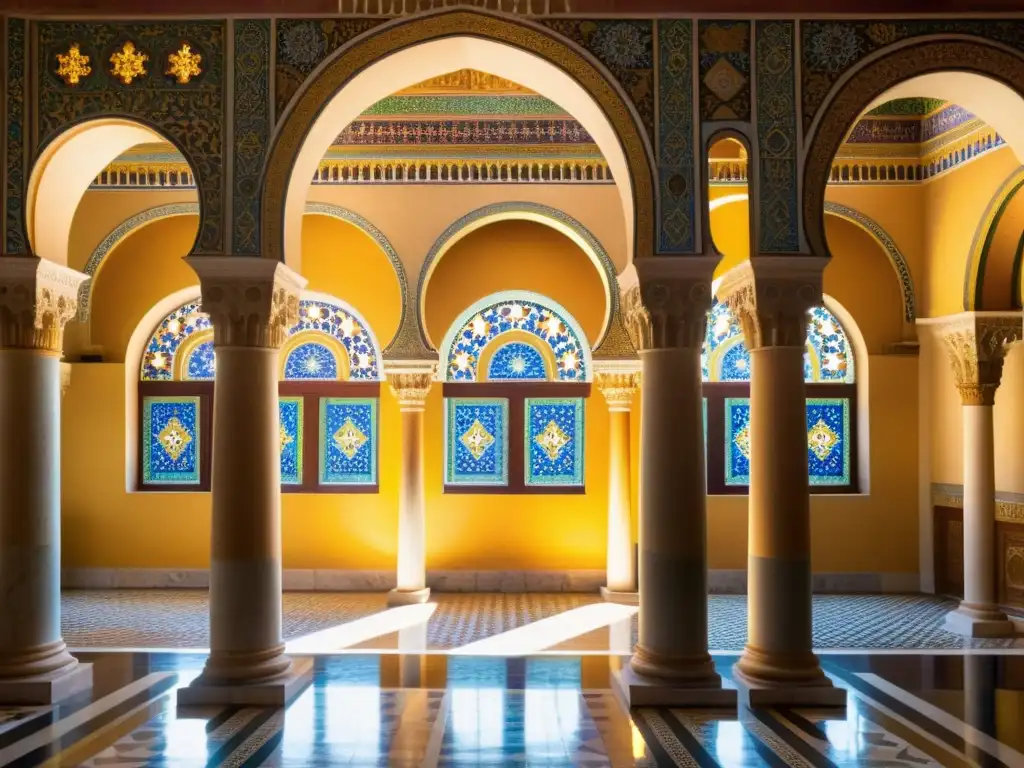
(770, 296)
(251, 302)
(665, 303)
(411, 384)
(977, 344)
(37, 298)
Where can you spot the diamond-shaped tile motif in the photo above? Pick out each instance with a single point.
(723, 80)
(553, 439)
(348, 441)
(821, 439)
(174, 438)
(477, 440)
(349, 438)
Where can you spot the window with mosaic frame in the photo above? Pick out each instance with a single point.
(516, 378)
(330, 364)
(831, 393)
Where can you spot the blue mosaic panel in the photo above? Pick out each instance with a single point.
(201, 363)
(737, 441)
(290, 413)
(516, 361)
(337, 321)
(311, 361)
(158, 358)
(476, 441)
(829, 357)
(170, 440)
(348, 441)
(554, 441)
(828, 441)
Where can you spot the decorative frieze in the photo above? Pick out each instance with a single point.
(1009, 506)
(665, 301)
(37, 299)
(977, 344)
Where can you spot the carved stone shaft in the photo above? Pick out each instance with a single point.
(665, 301)
(37, 299)
(252, 302)
(977, 345)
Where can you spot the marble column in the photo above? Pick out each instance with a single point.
(977, 344)
(665, 304)
(770, 297)
(37, 298)
(252, 303)
(617, 382)
(411, 384)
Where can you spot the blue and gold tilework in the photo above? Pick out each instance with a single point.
(348, 441)
(737, 441)
(483, 328)
(201, 363)
(158, 358)
(554, 441)
(311, 361)
(476, 444)
(290, 413)
(342, 324)
(171, 439)
(517, 361)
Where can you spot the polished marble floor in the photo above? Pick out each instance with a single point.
(448, 710)
(494, 623)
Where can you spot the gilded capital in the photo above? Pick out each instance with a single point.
(665, 300)
(411, 381)
(37, 299)
(252, 302)
(618, 388)
(770, 297)
(977, 344)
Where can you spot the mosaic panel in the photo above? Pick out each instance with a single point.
(516, 361)
(343, 325)
(777, 136)
(675, 137)
(463, 132)
(311, 361)
(946, 120)
(530, 317)
(829, 357)
(626, 48)
(302, 44)
(14, 189)
(885, 132)
(724, 70)
(201, 364)
(828, 441)
(737, 441)
(252, 125)
(170, 440)
(158, 359)
(554, 441)
(290, 415)
(191, 114)
(481, 104)
(348, 441)
(476, 441)
(914, 106)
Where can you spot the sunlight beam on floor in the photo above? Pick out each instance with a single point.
(360, 630)
(548, 632)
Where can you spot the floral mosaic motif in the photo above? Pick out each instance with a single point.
(724, 62)
(158, 358)
(183, 64)
(343, 325)
(821, 439)
(742, 441)
(289, 411)
(676, 166)
(511, 315)
(202, 363)
(170, 426)
(737, 441)
(516, 361)
(128, 63)
(73, 65)
(827, 358)
(252, 126)
(348, 441)
(14, 187)
(311, 361)
(554, 441)
(476, 441)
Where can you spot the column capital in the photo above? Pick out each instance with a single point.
(618, 383)
(251, 301)
(411, 381)
(770, 297)
(976, 343)
(37, 299)
(665, 300)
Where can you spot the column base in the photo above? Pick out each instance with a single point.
(639, 691)
(769, 680)
(276, 692)
(46, 689)
(972, 620)
(398, 597)
(620, 598)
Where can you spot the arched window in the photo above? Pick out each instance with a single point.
(329, 393)
(517, 368)
(831, 403)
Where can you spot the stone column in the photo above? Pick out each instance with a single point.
(618, 382)
(411, 384)
(977, 344)
(770, 296)
(665, 304)
(252, 303)
(37, 298)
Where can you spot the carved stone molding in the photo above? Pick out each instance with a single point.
(252, 302)
(665, 301)
(616, 344)
(618, 388)
(411, 381)
(65, 378)
(770, 296)
(977, 344)
(37, 299)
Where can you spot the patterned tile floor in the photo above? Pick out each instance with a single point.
(439, 710)
(157, 619)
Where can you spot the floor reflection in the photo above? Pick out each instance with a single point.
(436, 710)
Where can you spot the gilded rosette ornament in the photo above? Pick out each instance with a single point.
(73, 65)
(977, 345)
(183, 64)
(128, 63)
(37, 299)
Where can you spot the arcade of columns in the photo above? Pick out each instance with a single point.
(253, 301)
